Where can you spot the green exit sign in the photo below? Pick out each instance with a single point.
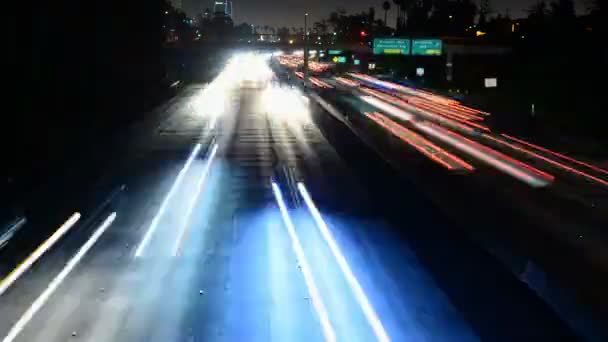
(334, 52)
(427, 47)
(391, 46)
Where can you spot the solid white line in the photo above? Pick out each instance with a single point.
(199, 189)
(368, 310)
(317, 301)
(163, 206)
(38, 252)
(54, 284)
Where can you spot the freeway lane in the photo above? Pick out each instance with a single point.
(238, 277)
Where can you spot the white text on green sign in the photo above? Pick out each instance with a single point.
(426, 47)
(391, 46)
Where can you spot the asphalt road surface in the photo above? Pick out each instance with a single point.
(238, 253)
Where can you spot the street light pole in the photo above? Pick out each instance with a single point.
(305, 49)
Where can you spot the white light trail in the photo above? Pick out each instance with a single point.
(317, 301)
(199, 189)
(140, 250)
(54, 284)
(489, 159)
(43, 248)
(387, 108)
(368, 310)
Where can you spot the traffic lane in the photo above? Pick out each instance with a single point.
(150, 181)
(98, 169)
(306, 150)
(145, 143)
(509, 145)
(388, 195)
(253, 289)
(308, 153)
(319, 165)
(570, 259)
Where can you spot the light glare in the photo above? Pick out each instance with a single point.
(165, 202)
(360, 296)
(317, 301)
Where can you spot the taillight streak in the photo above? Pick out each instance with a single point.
(423, 145)
(487, 155)
(550, 161)
(592, 167)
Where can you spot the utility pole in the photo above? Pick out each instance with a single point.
(305, 49)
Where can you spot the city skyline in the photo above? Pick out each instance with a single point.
(289, 13)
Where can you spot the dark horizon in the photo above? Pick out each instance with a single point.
(289, 13)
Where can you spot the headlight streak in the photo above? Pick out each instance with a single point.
(56, 282)
(38, 252)
(163, 207)
(360, 296)
(326, 326)
(199, 188)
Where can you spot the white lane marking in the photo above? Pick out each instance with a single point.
(199, 189)
(144, 242)
(317, 301)
(54, 284)
(38, 252)
(368, 310)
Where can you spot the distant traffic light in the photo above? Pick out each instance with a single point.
(363, 33)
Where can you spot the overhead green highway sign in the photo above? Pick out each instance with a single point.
(426, 47)
(391, 46)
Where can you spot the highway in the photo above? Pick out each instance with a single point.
(236, 217)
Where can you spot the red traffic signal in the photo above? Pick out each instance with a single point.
(363, 33)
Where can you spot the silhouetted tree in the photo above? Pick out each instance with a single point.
(283, 33)
(386, 6)
(320, 27)
(452, 17)
(484, 11)
(464, 15)
(349, 27)
(400, 19)
(537, 15)
(243, 31)
(563, 16)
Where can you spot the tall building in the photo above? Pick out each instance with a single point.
(222, 8)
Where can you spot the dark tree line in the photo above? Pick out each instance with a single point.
(81, 64)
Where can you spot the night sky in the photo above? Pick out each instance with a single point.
(290, 12)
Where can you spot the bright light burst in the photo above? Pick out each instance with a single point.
(285, 104)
